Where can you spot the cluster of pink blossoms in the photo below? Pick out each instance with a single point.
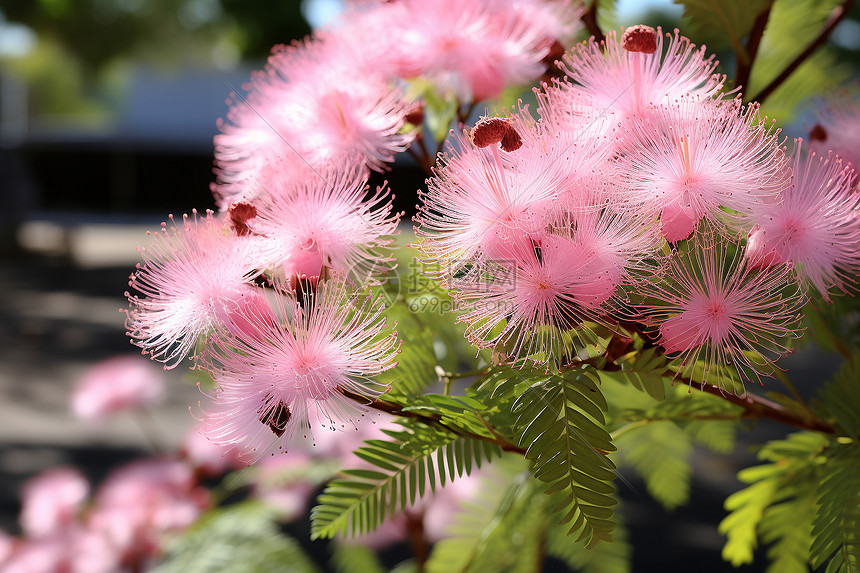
(263, 295)
(340, 98)
(121, 528)
(636, 192)
(640, 194)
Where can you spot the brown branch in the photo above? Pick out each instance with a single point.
(589, 18)
(434, 420)
(757, 407)
(835, 17)
(745, 65)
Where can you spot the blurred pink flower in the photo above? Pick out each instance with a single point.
(52, 501)
(189, 274)
(474, 49)
(281, 483)
(815, 225)
(298, 114)
(71, 550)
(116, 385)
(206, 456)
(838, 129)
(267, 382)
(138, 503)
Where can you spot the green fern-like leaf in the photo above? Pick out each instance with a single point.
(787, 528)
(241, 538)
(604, 558)
(415, 461)
(836, 528)
(660, 453)
(564, 436)
(794, 471)
(499, 529)
(841, 399)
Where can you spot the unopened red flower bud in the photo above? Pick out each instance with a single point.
(492, 130)
(240, 213)
(512, 140)
(415, 116)
(640, 38)
(818, 133)
(489, 130)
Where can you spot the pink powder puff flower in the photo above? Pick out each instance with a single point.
(52, 500)
(815, 226)
(482, 200)
(710, 306)
(525, 304)
(315, 103)
(631, 83)
(838, 130)
(325, 220)
(116, 385)
(207, 457)
(71, 550)
(694, 158)
(281, 483)
(141, 502)
(188, 275)
(474, 49)
(310, 356)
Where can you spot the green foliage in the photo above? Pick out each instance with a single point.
(836, 528)
(659, 452)
(417, 459)
(562, 424)
(721, 23)
(644, 370)
(792, 26)
(797, 465)
(500, 529)
(603, 558)
(349, 558)
(841, 398)
(507, 526)
(243, 538)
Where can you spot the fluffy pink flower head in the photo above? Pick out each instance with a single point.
(116, 385)
(482, 200)
(692, 158)
(304, 356)
(815, 226)
(528, 303)
(325, 220)
(52, 500)
(838, 130)
(189, 273)
(476, 48)
(299, 111)
(141, 502)
(630, 83)
(709, 306)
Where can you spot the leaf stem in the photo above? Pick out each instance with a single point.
(589, 18)
(433, 420)
(757, 407)
(742, 77)
(833, 20)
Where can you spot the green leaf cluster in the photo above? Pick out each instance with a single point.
(414, 461)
